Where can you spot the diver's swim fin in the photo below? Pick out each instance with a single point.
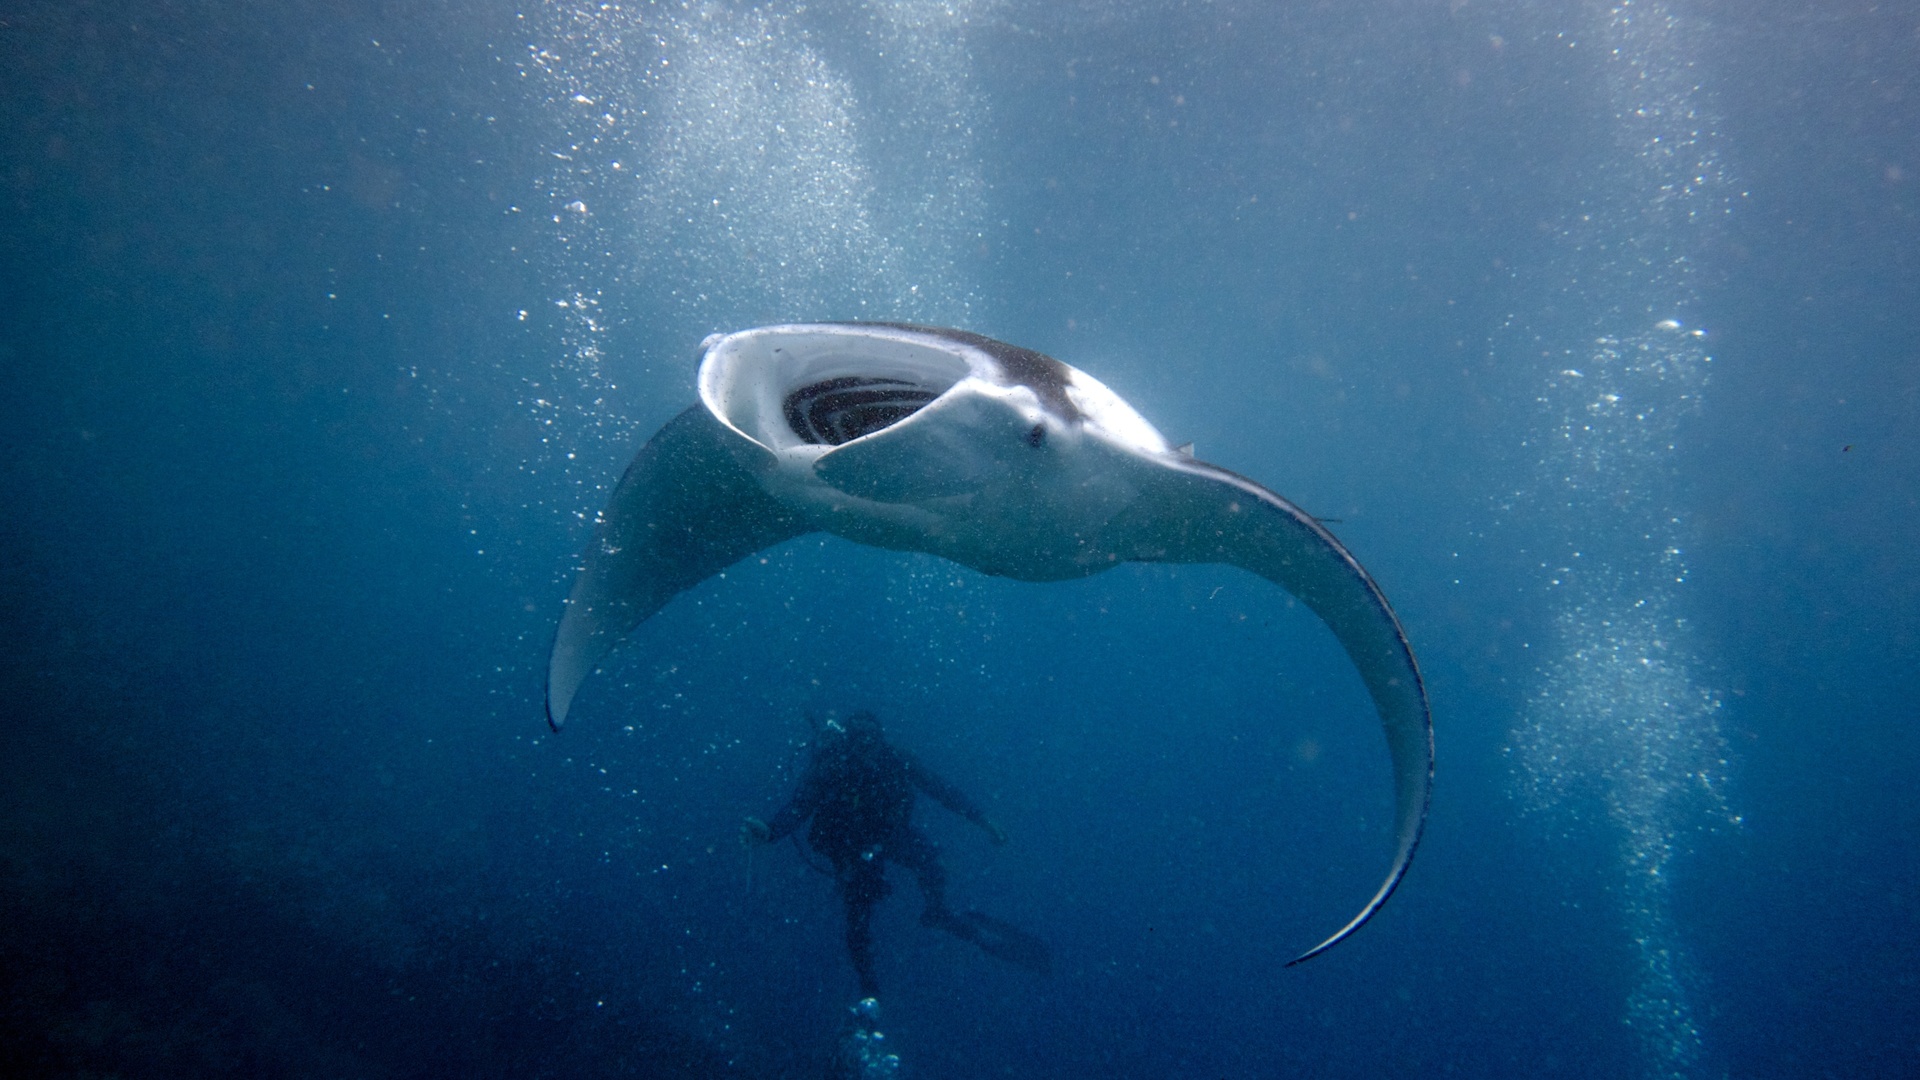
(1009, 943)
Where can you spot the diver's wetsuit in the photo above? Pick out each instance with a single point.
(859, 791)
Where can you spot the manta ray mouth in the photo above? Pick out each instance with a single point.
(839, 410)
(804, 390)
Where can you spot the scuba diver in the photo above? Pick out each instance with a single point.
(859, 792)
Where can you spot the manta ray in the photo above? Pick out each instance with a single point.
(999, 458)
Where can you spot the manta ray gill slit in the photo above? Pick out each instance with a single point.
(835, 411)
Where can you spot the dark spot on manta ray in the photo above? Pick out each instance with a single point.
(1037, 371)
(1037, 437)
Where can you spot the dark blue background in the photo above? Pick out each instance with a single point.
(288, 515)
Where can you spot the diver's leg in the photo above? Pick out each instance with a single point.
(913, 850)
(861, 888)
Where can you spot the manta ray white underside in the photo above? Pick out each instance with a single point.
(999, 458)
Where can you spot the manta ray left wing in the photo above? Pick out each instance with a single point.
(685, 510)
(1199, 513)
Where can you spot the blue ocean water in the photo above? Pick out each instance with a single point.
(1592, 327)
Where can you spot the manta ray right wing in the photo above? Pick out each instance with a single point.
(685, 510)
(1200, 513)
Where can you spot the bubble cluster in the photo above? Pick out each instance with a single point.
(758, 191)
(714, 169)
(1617, 717)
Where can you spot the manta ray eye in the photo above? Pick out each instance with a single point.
(836, 411)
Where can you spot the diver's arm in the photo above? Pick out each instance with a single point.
(949, 796)
(798, 809)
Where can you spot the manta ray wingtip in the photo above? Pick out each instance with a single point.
(1308, 955)
(1327, 944)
